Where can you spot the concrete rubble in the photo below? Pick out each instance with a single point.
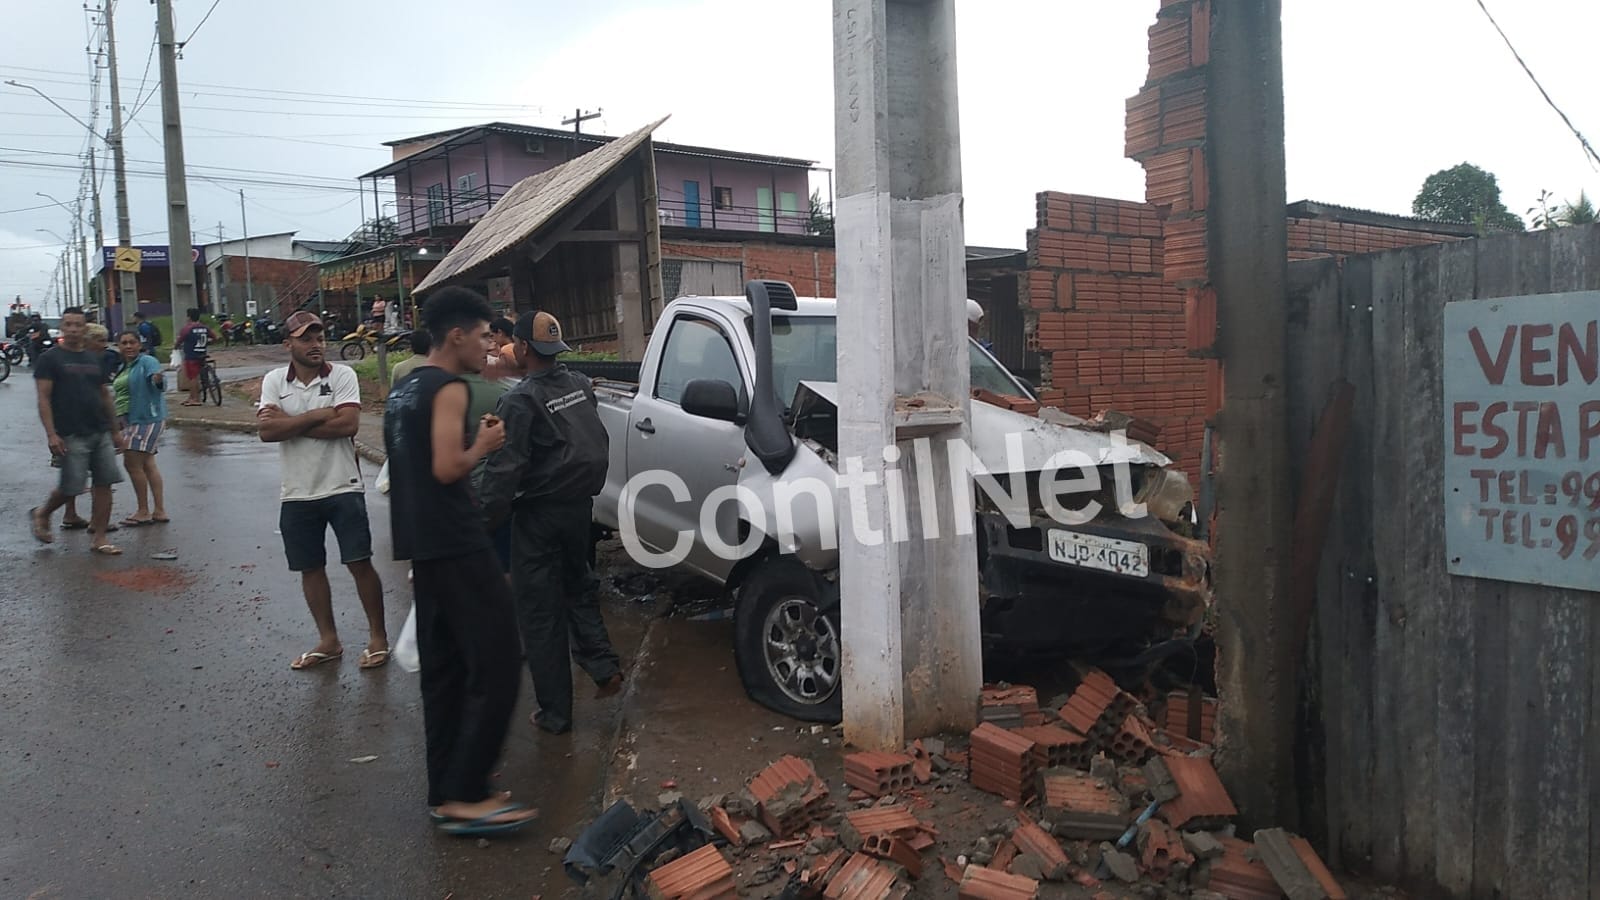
(1089, 793)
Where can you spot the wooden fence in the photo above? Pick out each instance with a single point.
(1454, 726)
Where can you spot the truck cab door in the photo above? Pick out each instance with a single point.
(705, 453)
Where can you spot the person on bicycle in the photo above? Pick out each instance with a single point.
(193, 339)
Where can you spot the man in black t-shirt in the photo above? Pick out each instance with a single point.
(79, 419)
(466, 627)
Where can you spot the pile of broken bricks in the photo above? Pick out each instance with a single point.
(1097, 792)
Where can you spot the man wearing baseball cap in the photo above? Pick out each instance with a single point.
(545, 478)
(312, 410)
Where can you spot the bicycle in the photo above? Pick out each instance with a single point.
(210, 384)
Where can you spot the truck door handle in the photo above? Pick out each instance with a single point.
(645, 426)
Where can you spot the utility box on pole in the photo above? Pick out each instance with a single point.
(908, 567)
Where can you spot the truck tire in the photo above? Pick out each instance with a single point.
(786, 641)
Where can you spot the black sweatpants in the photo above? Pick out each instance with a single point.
(555, 592)
(467, 642)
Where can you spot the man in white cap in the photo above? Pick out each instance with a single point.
(975, 323)
(312, 411)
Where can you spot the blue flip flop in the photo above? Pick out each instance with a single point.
(483, 825)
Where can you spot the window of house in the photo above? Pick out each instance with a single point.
(789, 205)
(695, 348)
(722, 197)
(466, 186)
(435, 205)
(764, 219)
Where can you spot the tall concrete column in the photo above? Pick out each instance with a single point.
(908, 574)
(1249, 268)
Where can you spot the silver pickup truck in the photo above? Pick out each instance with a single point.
(736, 405)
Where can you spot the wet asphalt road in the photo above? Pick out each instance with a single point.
(154, 742)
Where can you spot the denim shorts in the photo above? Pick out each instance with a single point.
(90, 459)
(305, 523)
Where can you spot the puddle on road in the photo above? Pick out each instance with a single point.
(148, 579)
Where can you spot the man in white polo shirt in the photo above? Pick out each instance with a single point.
(312, 410)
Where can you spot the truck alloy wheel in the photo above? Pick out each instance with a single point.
(787, 642)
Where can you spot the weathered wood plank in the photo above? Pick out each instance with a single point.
(1315, 348)
(1390, 772)
(1496, 277)
(1526, 745)
(1422, 585)
(1356, 603)
(1454, 652)
(1564, 664)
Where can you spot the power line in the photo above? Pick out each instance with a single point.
(138, 103)
(183, 43)
(1594, 157)
(406, 101)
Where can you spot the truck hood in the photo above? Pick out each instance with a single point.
(992, 428)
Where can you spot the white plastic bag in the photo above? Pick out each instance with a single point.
(175, 360)
(382, 481)
(405, 649)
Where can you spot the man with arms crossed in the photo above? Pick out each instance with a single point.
(79, 419)
(312, 410)
(466, 630)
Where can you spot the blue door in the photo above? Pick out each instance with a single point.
(691, 204)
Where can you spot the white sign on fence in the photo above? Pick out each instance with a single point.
(1522, 439)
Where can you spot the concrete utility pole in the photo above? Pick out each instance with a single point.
(1245, 135)
(128, 282)
(99, 238)
(180, 250)
(244, 225)
(912, 657)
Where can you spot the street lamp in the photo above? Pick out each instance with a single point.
(78, 227)
(66, 262)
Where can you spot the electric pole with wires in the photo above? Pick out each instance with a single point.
(180, 250)
(128, 281)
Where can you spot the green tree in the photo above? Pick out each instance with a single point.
(1580, 213)
(1546, 215)
(1465, 193)
(821, 217)
(379, 232)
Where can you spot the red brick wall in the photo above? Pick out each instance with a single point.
(809, 269)
(1118, 305)
(1313, 238)
(1109, 329)
(291, 280)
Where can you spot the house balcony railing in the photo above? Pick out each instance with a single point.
(421, 213)
(677, 212)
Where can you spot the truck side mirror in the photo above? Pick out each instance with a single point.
(712, 398)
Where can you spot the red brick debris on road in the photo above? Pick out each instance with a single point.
(1101, 793)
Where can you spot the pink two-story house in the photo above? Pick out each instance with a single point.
(445, 181)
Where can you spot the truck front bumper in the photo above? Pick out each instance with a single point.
(1034, 601)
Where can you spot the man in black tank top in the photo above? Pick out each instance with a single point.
(466, 626)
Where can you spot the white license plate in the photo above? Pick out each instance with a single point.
(1094, 552)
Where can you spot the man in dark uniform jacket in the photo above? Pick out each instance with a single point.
(546, 477)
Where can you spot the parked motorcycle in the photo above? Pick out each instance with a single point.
(12, 350)
(238, 332)
(268, 331)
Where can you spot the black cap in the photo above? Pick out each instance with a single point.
(542, 331)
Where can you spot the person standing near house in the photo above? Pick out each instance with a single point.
(149, 334)
(545, 478)
(142, 407)
(466, 627)
(312, 410)
(78, 414)
(194, 339)
(379, 311)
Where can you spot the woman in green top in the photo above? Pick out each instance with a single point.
(141, 399)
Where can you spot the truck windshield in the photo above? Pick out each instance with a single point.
(803, 349)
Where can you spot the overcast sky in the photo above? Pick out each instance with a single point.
(1380, 93)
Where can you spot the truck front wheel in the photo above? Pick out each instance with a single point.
(786, 641)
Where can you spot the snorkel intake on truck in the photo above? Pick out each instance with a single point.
(764, 431)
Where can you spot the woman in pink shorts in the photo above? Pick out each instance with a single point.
(141, 401)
